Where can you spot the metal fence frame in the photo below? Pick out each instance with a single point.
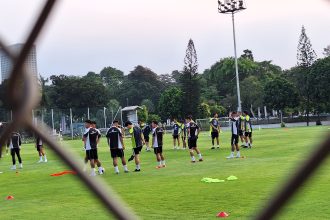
(24, 99)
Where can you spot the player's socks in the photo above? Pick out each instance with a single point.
(163, 163)
(13, 167)
(40, 159)
(200, 157)
(116, 170)
(231, 155)
(45, 158)
(21, 166)
(137, 167)
(93, 172)
(125, 169)
(238, 155)
(193, 159)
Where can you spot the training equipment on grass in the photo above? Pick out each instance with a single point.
(64, 172)
(211, 180)
(9, 197)
(232, 178)
(222, 215)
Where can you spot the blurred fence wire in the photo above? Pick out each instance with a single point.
(24, 95)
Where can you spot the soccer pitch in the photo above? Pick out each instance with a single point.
(174, 192)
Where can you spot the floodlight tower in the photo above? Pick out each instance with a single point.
(231, 7)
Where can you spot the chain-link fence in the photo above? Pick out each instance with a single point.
(69, 122)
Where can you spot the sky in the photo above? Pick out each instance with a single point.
(86, 35)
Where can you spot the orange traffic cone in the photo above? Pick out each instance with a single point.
(222, 215)
(9, 197)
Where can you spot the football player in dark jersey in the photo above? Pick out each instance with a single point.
(193, 131)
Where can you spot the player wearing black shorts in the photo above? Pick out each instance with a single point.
(41, 150)
(97, 161)
(117, 147)
(215, 129)
(193, 131)
(248, 130)
(175, 134)
(146, 130)
(91, 139)
(234, 117)
(14, 144)
(137, 143)
(157, 143)
(241, 122)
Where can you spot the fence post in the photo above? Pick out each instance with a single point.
(121, 116)
(105, 118)
(33, 121)
(42, 115)
(53, 121)
(87, 112)
(71, 124)
(111, 115)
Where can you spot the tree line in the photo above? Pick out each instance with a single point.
(302, 88)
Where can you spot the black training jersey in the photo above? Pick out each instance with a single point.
(136, 133)
(176, 128)
(15, 140)
(234, 125)
(158, 137)
(114, 136)
(91, 135)
(193, 129)
(99, 133)
(146, 130)
(215, 124)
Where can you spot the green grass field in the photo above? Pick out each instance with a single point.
(175, 192)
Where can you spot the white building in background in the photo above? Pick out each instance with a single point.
(7, 65)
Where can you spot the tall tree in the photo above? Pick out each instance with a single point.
(320, 78)
(149, 104)
(75, 92)
(170, 103)
(306, 56)
(247, 54)
(44, 98)
(189, 81)
(280, 94)
(326, 51)
(141, 83)
(113, 79)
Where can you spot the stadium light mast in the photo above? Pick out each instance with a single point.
(231, 7)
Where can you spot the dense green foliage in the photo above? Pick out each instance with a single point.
(298, 90)
(170, 192)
